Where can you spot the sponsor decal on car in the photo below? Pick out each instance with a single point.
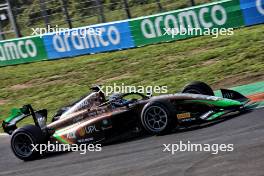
(87, 130)
(91, 129)
(85, 140)
(71, 135)
(81, 132)
(105, 122)
(184, 115)
(79, 118)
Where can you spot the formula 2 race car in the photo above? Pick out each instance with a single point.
(93, 119)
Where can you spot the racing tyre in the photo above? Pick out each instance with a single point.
(198, 87)
(158, 117)
(22, 140)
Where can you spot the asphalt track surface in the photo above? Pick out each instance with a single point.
(145, 157)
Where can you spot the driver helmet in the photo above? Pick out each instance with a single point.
(116, 100)
(101, 95)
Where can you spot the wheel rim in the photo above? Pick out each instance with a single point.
(22, 144)
(156, 118)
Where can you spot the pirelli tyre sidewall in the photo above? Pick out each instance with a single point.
(158, 117)
(30, 134)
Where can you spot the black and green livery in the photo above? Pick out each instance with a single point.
(94, 119)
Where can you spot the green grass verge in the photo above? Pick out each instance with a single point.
(226, 61)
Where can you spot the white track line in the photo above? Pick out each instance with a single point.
(3, 134)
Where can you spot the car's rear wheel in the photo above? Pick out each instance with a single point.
(22, 142)
(198, 87)
(158, 117)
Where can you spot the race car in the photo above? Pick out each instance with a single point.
(94, 119)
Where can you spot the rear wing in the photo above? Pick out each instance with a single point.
(10, 124)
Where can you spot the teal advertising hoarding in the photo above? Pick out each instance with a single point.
(23, 50)
(152, 29)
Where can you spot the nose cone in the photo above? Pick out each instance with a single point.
(227, 102)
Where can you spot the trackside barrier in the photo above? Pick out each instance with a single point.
(23, 50)
(133, 33)
(151, 29)
(113, 36)
(253, 11)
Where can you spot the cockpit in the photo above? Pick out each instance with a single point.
(97, 99)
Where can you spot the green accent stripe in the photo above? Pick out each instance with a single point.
(221, 103)
(59, 138)
(216, 115)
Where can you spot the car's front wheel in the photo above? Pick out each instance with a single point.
(158, 117)
(198, 87)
